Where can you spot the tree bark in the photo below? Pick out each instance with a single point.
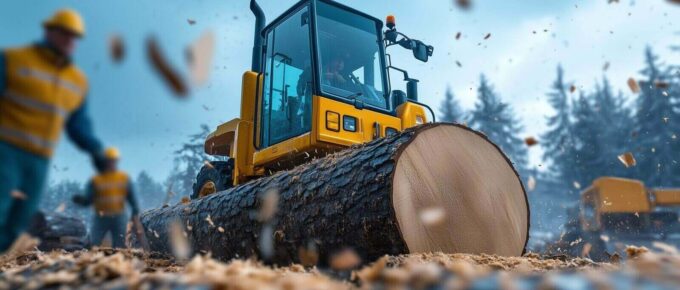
(347, 200)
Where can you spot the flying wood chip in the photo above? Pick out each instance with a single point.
(18, 195)
(464, 4)
(572, 89)
(627, 159)
(458, 35)
(661, 84)
(633, 85)
(345, 260)
(116, 48)
(530, 141)
(488, 35)
(200, 57)
(531, 183)
(191, 21)
(162, 67)
(433, 216)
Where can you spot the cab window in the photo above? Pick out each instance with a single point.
(287, 89)
(351, 66)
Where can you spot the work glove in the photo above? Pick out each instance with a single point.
(78, 199)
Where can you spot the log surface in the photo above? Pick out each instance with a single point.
(342, 200)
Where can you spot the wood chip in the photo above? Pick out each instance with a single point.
(433, 216)
(577, 185)
(220, 229)
(209, 220)
(269, 205)
(458, 35)
(627, 159)
(605, 67)
(633, 85)
(463, 4)
(531, 183)
(585, 251)
(572, 89)
(191, 21)
(181, 247)
(116, 48)
(308, 256)
(661, 84)
(185, 200)
(16, 194)
(200, 58)
(488, 35)
(666, 248)
(530, 141)
(208, 164)
(164, 70)
(346, 259)
(61, 208)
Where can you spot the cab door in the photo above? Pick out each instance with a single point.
(286, 105)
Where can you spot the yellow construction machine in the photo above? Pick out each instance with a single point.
(319, 83)
(615, 212)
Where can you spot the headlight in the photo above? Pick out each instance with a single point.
(420, 120)
(332, 121)
(349, 123)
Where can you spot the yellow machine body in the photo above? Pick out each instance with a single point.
(238, 139)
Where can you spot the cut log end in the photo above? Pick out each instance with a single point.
(455, 192)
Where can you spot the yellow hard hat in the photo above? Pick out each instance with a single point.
(112, 153)
(67, 19)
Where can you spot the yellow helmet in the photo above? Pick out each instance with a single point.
(67, 19)
(112, 153)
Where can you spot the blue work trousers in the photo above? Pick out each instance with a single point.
(26, 173)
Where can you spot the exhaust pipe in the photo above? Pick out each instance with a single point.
(260, 20)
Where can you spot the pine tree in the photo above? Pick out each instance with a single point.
(615, 123)
(188, 161)
(587, 146)
(495, 118)
(149, 192)
(558, 141)
(657, 117)
(449, 109)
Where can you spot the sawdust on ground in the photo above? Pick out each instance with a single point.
(107, 269)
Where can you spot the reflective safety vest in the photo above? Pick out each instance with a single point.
(110, 192)
(39, 96)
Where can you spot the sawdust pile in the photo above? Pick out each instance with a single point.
(109, 269)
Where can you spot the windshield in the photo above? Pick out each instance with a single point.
(350, 56)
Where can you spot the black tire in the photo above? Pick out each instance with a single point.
(218, 172)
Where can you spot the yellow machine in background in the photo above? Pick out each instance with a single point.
(615, 212)
(319, 82)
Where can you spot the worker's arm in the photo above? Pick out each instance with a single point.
(86, 199)
(132, 200)
(79, 130)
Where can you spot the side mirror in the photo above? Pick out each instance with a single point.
(421, 51)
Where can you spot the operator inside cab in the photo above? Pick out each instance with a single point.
(349, 49)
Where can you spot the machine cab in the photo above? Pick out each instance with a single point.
(319, 83)
(325, 50)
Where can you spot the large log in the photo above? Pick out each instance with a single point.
(369, 198)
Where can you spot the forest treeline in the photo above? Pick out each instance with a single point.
(588, 130)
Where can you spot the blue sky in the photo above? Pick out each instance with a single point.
(133, 109)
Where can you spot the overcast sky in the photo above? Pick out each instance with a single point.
(133, 110)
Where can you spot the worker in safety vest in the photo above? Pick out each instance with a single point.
(109, 191)
(41, 92)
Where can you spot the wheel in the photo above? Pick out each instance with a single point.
(213, 178)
